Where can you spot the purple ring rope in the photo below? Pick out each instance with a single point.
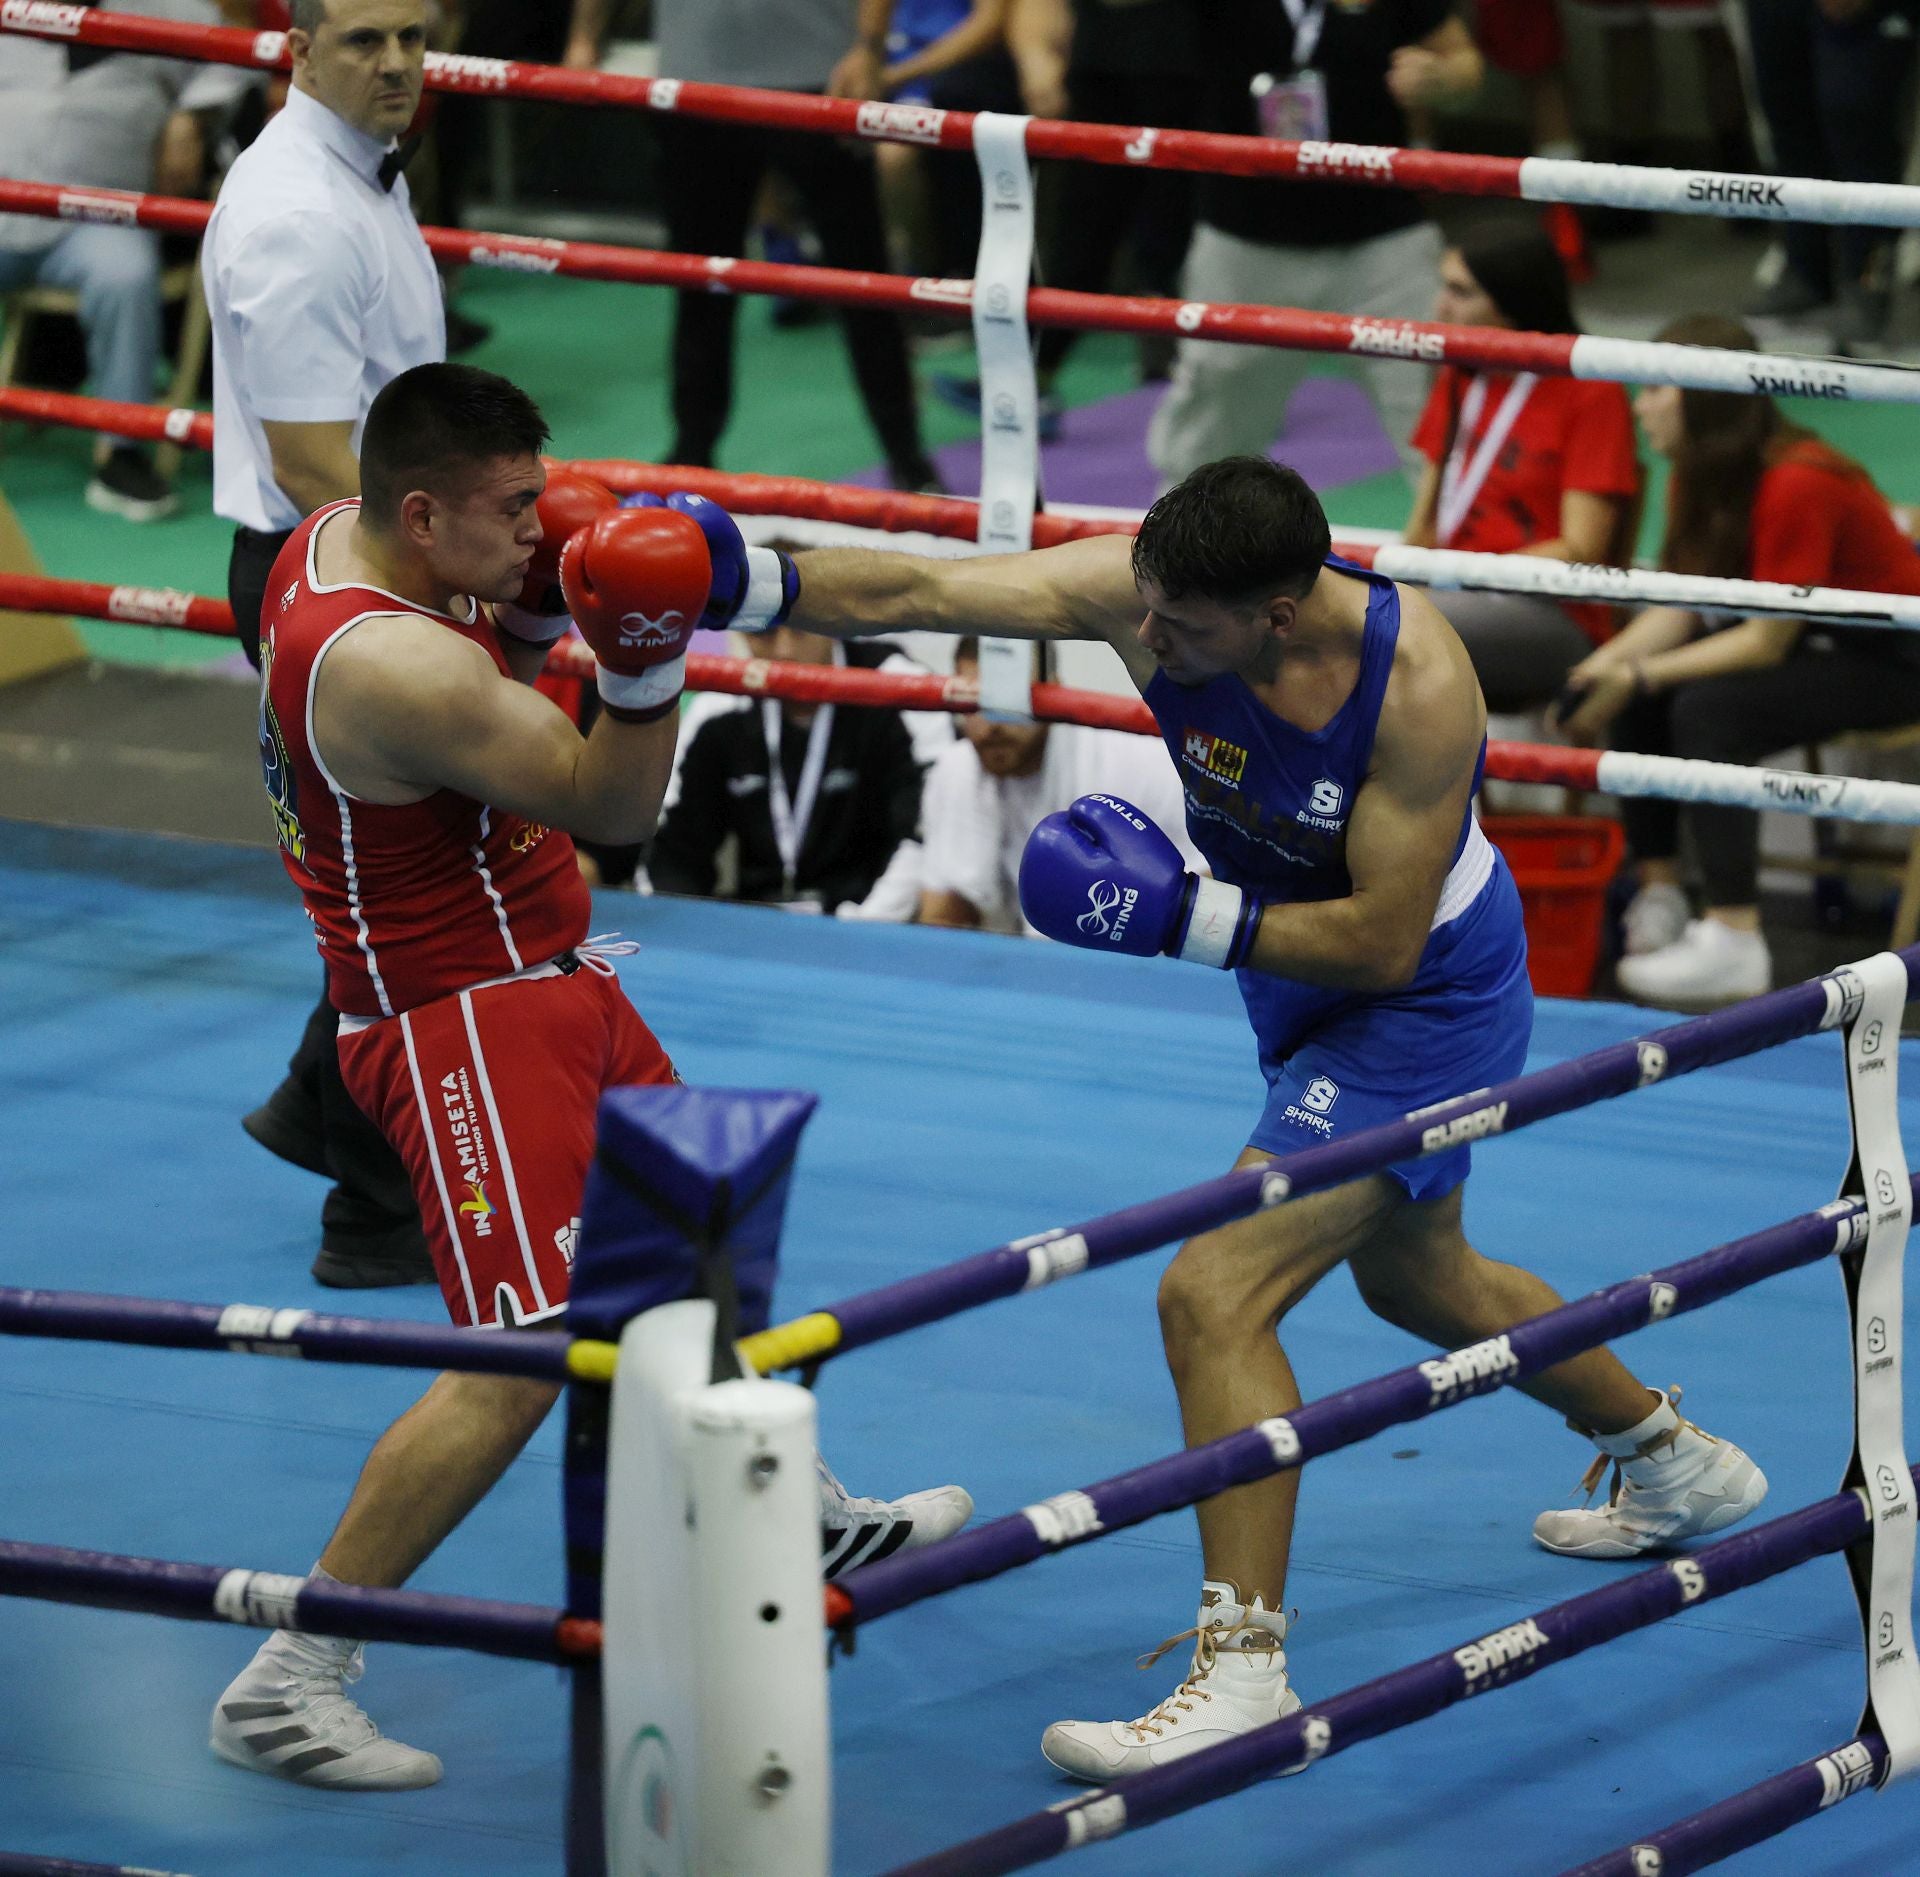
(208, 1593)
(1616, 1069)
(1750, 1817)
(255, 1329)
(1348, 1416)
(1509, 1654)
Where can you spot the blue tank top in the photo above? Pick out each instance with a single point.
(1267, 803)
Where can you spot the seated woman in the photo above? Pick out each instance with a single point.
(1521, 465)
(1751, 496)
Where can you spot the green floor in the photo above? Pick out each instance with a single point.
(594, 354)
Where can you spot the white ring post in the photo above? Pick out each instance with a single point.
(714, 1662)
(1874, 998)
(1009, 398)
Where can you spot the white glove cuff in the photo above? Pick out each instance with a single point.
(531, 628)
(1215, 920)
(643, 690)
(766, 591)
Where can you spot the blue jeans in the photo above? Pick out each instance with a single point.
(116, 272)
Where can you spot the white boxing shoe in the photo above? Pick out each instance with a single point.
(860, 1531)
(1237, 1682)
(287, 1714)
(1671, 1482)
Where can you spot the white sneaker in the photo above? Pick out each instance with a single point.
(1655, 918)
(1710, 963)
(1670, 1482)
(1237, 1682)
(286, 1714)
(860, 1531)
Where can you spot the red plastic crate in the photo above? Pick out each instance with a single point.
(1563, 865)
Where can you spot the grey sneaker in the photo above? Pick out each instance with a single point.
(126, 484)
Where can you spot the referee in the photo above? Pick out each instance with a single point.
(321, 289)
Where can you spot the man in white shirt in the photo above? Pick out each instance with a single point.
(987, 792)
(86, 116)
(321, 290)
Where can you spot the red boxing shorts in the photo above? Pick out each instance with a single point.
(489, 1097)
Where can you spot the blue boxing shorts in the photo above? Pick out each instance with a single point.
(1336, 1062)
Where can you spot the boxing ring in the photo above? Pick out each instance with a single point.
(133, 982)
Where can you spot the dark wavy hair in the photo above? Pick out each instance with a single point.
(1729, 440)
(435, 428)
(1237, 531)
(1521, 272)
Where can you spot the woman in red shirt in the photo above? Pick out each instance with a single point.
(1521, 465)
(1753, 496)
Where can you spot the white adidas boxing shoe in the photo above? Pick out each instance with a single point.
(856, 1530)
(287, 1714)
(1671, 1482)
(1237, 1681)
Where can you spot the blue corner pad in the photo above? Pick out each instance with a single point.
(681, 1174)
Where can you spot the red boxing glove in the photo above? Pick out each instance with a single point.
(570, 501)
(636, 583)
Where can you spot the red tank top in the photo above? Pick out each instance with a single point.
(410, 901)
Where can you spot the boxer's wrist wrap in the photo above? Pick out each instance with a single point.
(773, 584)
(1218, 926)
(533, 625)
(640, 696)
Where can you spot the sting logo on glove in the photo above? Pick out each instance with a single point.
(1102, 897)
(637, 629)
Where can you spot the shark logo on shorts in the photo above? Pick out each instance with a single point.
(1319, 1095)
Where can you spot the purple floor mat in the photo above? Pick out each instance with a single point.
(1332, 437)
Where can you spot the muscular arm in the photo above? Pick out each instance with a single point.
(314, 464)
(403, 707)
(1401, 832)
(1082, 590)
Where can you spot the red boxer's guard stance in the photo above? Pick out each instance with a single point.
(425, 796)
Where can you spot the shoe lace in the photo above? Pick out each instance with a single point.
(595, 952)
(327, 1708)
(1207, 1639)
(1591, 1478)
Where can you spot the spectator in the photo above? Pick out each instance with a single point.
(815, 796)
(988, 792)
(321, 289)
(1752, 496)
(1522, 465)
(1104, 64)
(1638, 106)
(75, 114)
(1309, 69)
(1831, 78)
(710, 181)
(950, 54)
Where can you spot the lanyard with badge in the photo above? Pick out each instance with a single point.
(1465, 475)
(1295, 107)
(792, 815)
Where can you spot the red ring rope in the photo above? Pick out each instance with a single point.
(1687, 192)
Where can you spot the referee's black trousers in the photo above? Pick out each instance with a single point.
(710, 175)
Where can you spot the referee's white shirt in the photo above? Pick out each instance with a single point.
(320, 288)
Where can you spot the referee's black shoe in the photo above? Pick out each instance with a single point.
(362, 1250)
(288, 1124)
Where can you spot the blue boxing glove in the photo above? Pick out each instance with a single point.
(1104, 877)
(754, 588)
